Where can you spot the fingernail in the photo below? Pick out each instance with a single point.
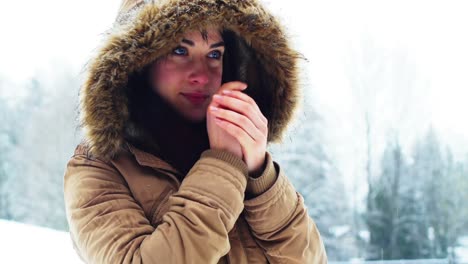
(213, 108)
(217, 96)
(226, 92)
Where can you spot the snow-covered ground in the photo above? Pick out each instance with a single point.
(22, 243)
(401, 261)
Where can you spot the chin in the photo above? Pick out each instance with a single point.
(194, 118)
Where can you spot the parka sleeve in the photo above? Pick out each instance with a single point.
(109, 226)
(280, 223)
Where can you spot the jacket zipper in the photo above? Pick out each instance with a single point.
(171, 174)
(156, 209)
(240, 240)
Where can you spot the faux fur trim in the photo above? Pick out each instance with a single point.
(148, 30)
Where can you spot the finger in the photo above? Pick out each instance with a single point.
(235, 86)
(240, 121)
(241, 96)
(238, 133)
(246, 98)
(231, 86)
(243, 108)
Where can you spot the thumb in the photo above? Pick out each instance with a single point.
(235, 85)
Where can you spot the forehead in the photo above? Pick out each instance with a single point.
(209, 35)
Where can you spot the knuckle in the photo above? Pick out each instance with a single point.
(244, 119)
(235, 131)
(250, 109)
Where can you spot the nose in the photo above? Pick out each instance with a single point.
(199, 74)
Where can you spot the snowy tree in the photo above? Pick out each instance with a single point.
(428, 166)
(8, 140)
(369, 68)
(441, 181)
(453, 203)
(6, 145)
(417, 209)
(461, 175)
(45, 144)
(395, 217)
(383, 82)
(305, 160)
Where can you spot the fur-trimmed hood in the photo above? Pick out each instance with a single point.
(147, 30)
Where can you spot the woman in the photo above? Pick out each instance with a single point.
(177, 110)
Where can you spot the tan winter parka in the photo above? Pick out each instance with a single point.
(126, 205)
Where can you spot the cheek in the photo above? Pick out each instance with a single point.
(216, 76)
(164, 74)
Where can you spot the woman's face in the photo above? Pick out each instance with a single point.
(189, 76)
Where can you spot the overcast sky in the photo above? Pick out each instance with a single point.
(39, 35)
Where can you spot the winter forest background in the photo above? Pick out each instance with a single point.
(379, 149)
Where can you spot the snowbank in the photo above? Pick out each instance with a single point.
(22, 243)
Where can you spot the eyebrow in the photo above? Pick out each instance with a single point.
(191, 43)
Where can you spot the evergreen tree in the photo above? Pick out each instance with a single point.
(395, 217)
(440, 181)
(428, 167)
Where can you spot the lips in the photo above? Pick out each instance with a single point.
(195, 98)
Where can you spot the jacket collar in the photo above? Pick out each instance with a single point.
(146, 159)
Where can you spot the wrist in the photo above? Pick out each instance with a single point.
(258, 171)
(228, 157)
(221, 149)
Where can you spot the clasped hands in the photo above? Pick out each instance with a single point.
(236, 124)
